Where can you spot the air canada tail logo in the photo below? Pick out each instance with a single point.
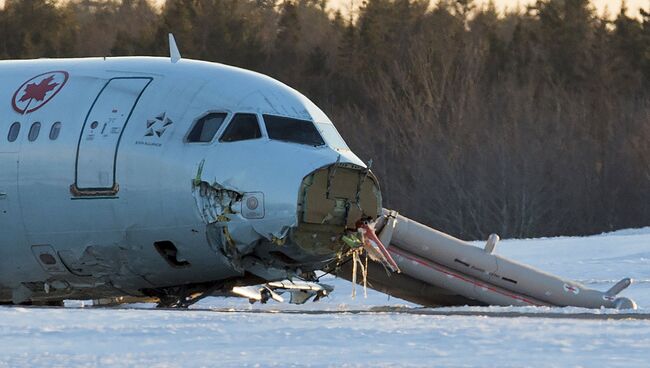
(37, 91)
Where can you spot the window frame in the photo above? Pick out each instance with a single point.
(60, 126)
(319, 126)
(37, 125)
(19, 125)
(226, 122)
(313, 123)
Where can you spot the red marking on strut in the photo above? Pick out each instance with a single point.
(459, 277)
(572, 289)
(370, 234)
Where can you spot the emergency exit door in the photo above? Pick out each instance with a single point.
(101, 135)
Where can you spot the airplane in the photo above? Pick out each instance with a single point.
(164, 178)
(173, 179)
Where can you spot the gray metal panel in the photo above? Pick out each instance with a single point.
(9, 208)
(15, 258)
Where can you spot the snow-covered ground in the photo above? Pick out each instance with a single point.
(83, 337)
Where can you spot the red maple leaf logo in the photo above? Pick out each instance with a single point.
(39, 91)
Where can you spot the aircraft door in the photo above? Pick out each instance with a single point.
(101, 134)
(10, 217)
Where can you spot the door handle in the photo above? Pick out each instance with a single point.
(3, 195)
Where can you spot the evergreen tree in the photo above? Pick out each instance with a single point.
(529, 123)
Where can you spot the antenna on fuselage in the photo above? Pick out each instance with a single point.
(174, 54)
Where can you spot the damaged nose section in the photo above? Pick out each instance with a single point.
(339, 195)
(331, 200)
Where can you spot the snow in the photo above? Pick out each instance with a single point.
(286, 335)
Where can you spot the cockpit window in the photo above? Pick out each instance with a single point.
(241, 128)
(205, 128)
(293, 130)
(332, 136)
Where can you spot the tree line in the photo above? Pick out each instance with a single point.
(535, 122)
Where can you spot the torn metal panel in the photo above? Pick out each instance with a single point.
(213, 199)
(340, 194)
(101, 270)
(265, 269)
(22, 293)
(216, 205)
(42, 290)
(234, 239)
(300, 291)
(120, 300)
(333, 199)
(96, 261)
(48, 259)
(260, 294)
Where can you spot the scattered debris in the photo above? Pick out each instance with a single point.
(300, 291)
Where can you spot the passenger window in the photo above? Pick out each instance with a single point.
(206, 127)
(55, 130)
(293, 130)
(241, 128)
(13, 132)
(33, 131)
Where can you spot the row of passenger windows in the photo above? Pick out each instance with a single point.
(242, 127)
(246, 126)
(34, 131)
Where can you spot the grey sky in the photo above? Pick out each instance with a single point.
(612, 6)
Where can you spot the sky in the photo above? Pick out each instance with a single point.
(612, 6)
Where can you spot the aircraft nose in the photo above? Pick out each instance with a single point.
(332, 199)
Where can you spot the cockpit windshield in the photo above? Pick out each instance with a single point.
(332, 136)
(293, 130)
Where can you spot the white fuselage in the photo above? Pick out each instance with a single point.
(121, 175)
